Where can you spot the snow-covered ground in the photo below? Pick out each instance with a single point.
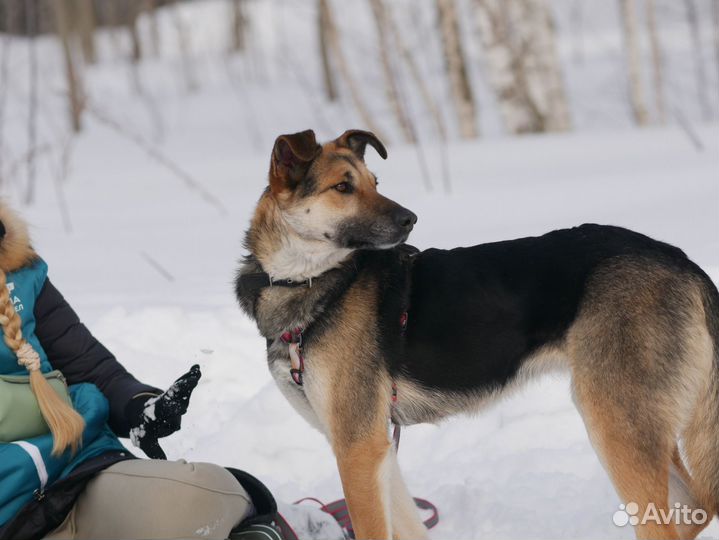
(521, 469)
(149, 264)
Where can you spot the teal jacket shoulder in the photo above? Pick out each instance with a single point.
(23, 287)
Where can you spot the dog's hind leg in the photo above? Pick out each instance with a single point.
(639, 468)
(701, 435)
(682, 491)
(639, 369)
(406, 523)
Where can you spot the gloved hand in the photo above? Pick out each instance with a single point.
(161, 415)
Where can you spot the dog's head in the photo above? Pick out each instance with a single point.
(327, 194)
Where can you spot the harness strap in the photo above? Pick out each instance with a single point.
(293, 338)
(397, 429)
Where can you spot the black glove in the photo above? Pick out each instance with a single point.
(161, 415)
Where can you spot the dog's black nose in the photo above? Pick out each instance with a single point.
(405, 218)
(2, 230)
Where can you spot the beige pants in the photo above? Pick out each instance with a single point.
(152, 499)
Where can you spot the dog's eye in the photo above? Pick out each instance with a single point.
(344, 187)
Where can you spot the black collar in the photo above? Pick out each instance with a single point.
(254, 281)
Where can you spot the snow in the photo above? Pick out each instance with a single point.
(523, 468)
(310, 522)
(149, 264)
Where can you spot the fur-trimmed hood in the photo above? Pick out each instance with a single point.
(15, 249)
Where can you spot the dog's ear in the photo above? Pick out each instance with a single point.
(292, 156)
(357, 140)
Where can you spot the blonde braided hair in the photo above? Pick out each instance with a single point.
(65, 424)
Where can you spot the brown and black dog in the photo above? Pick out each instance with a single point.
(362, 329)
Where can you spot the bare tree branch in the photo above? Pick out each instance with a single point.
(323, 22)
(157, 266)
(30, 24)
(63, 18)
(715, 24)
(4, 85)
(699, 73)
(390, 79)
(343, 66)
(131, 13)
(59, 175)
(657, 63)
(158, 156)
(86, 29)
(414, 71)
(637, 100)
(183, 40)
(238, 25)
(456, 66)
(429, 102)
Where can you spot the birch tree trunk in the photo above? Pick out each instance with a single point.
(323, 22)
(715, 23)
(185, 46)
(657, 66)
(63, 18)
(699, 73)
(542, 64)
(456, 67)
(31, 18)
(518, 39)
(335, 46)
(86, 29)
(634, 71)
(415, 73)
(114, 16)
(391, 83)
(429, 102)
(9, 15)
(132, 11)
(239, 25)
(150, 7)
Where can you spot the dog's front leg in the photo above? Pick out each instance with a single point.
(366, 474)
(406, 523)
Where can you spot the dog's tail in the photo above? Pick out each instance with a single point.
(701, 437)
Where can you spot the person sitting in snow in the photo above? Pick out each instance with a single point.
(77, 480)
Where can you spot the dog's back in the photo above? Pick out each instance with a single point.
(633, 320)
(483, 309)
